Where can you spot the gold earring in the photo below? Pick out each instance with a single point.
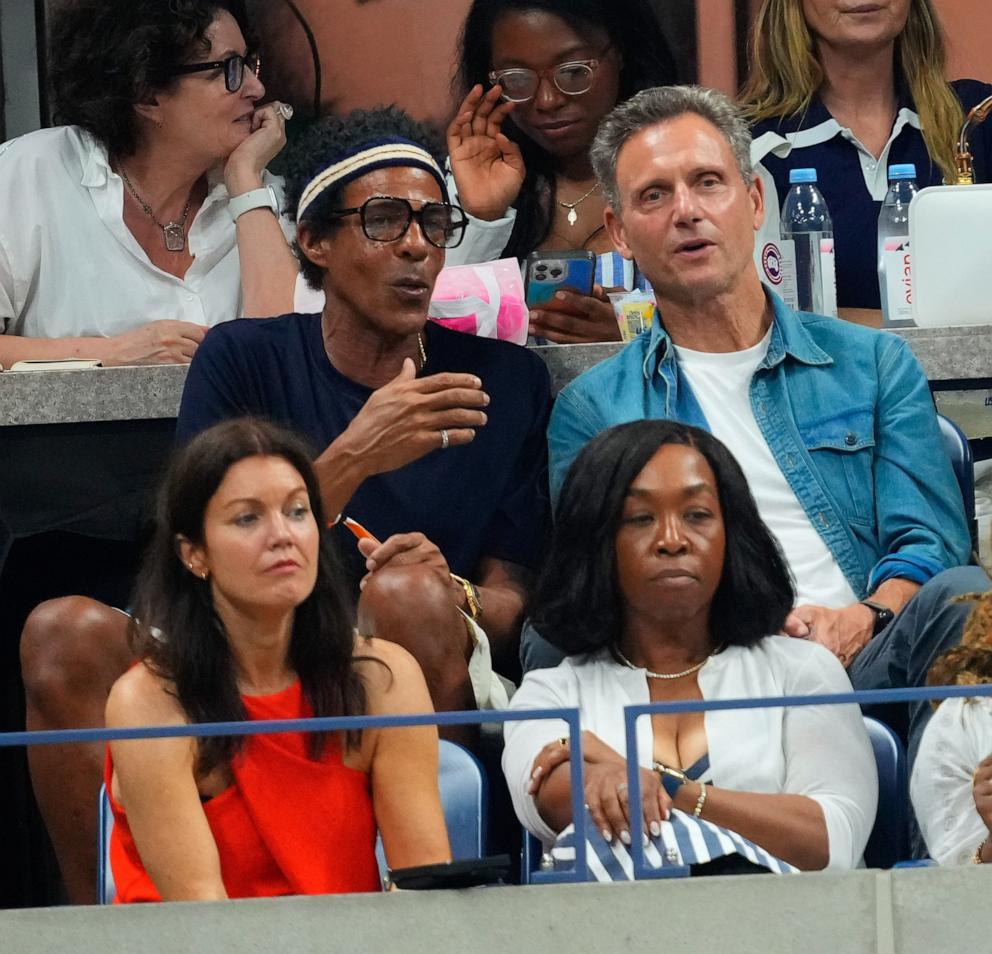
(204, 574)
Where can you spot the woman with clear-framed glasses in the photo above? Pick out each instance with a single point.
(128, 227)
(539, 75)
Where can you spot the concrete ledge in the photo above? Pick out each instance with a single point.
(150, 393)
(861, 912)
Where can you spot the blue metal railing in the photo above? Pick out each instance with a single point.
(579, 870)
(632, 713)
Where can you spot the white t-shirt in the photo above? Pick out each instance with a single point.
(956, 739)
(69, 266)
(721, 383)
(821, 752)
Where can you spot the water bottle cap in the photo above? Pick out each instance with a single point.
(903, 171)
(802, 175)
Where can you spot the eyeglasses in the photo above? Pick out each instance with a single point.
(234, 69)
(520, 85)
(386, 219)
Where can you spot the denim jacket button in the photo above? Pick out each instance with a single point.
(851, 440)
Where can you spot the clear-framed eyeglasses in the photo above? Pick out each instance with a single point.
(386, 218)
(520, 84)
(234, 69)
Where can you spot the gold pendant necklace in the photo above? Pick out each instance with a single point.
(173, 233)
(571, 206)
(423, 350)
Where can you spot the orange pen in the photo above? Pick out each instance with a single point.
(358, 530)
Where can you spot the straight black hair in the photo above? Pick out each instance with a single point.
(175, 628)
(577, 604)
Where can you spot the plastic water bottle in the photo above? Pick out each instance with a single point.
(806, 224)
(895, 270)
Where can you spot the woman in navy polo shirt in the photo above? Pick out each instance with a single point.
(850, 88)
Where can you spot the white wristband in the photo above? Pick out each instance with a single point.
(264, 198)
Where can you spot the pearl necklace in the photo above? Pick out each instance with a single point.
(662, 675)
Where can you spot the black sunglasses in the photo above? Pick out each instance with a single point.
(386, 218)
(234, 69)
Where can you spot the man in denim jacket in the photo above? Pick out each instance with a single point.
(833, 423)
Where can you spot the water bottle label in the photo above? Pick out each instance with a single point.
(828, 278)
(898, 277)
(777, 268)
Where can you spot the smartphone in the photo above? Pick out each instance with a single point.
(549, 272)
(466, 873)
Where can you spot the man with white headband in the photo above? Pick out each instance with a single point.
(432, 440)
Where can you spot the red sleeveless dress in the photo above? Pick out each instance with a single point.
(287, 825)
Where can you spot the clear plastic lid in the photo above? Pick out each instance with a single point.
(902, 171)
(802, 175)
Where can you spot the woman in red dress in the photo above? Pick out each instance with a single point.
(238, 615)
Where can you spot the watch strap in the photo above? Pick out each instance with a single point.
(263, 198)
(883, 615)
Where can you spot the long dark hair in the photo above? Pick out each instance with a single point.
(577, 604)
(105, 56)
(175, 628)
(633, 31)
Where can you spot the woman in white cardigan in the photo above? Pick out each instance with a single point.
(663, 584)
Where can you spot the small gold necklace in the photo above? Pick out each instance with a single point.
(423, 350)
(173, 233)
(662, 675)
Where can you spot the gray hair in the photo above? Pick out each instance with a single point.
(658, 105)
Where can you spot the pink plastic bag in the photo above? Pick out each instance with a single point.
(485, 300)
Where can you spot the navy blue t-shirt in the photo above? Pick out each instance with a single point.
(819, 144)
(487, 498)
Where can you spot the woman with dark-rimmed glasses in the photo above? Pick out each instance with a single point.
(539, 76)
(127, 228)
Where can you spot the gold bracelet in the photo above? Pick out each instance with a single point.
(698, 810)
(976, 858)
(472, 598)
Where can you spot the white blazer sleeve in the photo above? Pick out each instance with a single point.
(484, 241)
(829, 758)
(956, 739)
(541, 689)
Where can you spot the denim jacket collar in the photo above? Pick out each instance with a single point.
(789, 338)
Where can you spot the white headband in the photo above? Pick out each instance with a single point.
(396, 152)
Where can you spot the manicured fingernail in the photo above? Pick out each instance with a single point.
(664, 814)
(560, 296)
(537, 771)
(361, 585)
(644, 839)
(625, 836)
(655, 828)
(532, 315)
(607, 835)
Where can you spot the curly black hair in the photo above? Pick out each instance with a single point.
(634, 32)
(335, 136)
(105, 56)
(577, 604)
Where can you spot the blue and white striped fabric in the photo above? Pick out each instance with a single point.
(684, 840)
(615, 271)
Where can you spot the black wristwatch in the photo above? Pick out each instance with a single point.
(883, 615)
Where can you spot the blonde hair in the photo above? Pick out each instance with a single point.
(784, 73)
